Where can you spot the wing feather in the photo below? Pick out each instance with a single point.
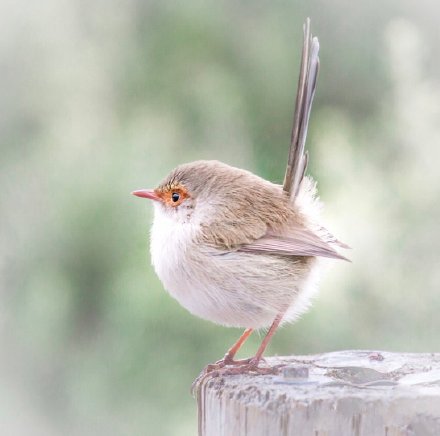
(299, 242)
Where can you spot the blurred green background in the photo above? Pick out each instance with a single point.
(100, 98)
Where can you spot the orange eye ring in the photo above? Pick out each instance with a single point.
(173, 195)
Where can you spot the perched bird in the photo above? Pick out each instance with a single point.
(236, 249)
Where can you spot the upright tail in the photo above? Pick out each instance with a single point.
(298, 159)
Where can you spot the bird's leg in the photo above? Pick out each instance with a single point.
(264, 343)
(251, 365)
(230, 354)
(241, 366)
(246, 365)
(227, 360)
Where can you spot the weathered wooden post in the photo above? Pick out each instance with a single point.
(335, 394)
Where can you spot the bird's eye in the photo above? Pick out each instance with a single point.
(175, 196)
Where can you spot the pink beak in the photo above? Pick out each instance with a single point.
(147, 193)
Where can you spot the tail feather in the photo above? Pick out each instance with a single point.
(300, 188)
(297, 159)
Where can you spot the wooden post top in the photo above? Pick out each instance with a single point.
(342, 393)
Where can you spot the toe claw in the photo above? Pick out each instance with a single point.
(229, 366)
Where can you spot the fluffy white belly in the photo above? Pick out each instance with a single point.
(234, 289)
(183, 267)
(170, 244)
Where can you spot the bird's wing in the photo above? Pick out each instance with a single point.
(298, 159)
(300, 242)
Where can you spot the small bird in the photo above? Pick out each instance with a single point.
(236, 249)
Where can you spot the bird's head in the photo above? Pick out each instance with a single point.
(172, 199)
(191, 190)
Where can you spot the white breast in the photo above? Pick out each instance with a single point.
(235, 289)
(169, 242)
(186, 270)
(179, 263)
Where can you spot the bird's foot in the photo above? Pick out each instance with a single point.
(224, 363)
(227, 361)
(225, 367)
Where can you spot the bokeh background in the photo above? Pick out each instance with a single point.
(100, 98)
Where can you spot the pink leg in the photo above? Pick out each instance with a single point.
(241, 366)
(230, 354)
(228, 360)
(267, 339)
(251, 365)
(247, 365)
